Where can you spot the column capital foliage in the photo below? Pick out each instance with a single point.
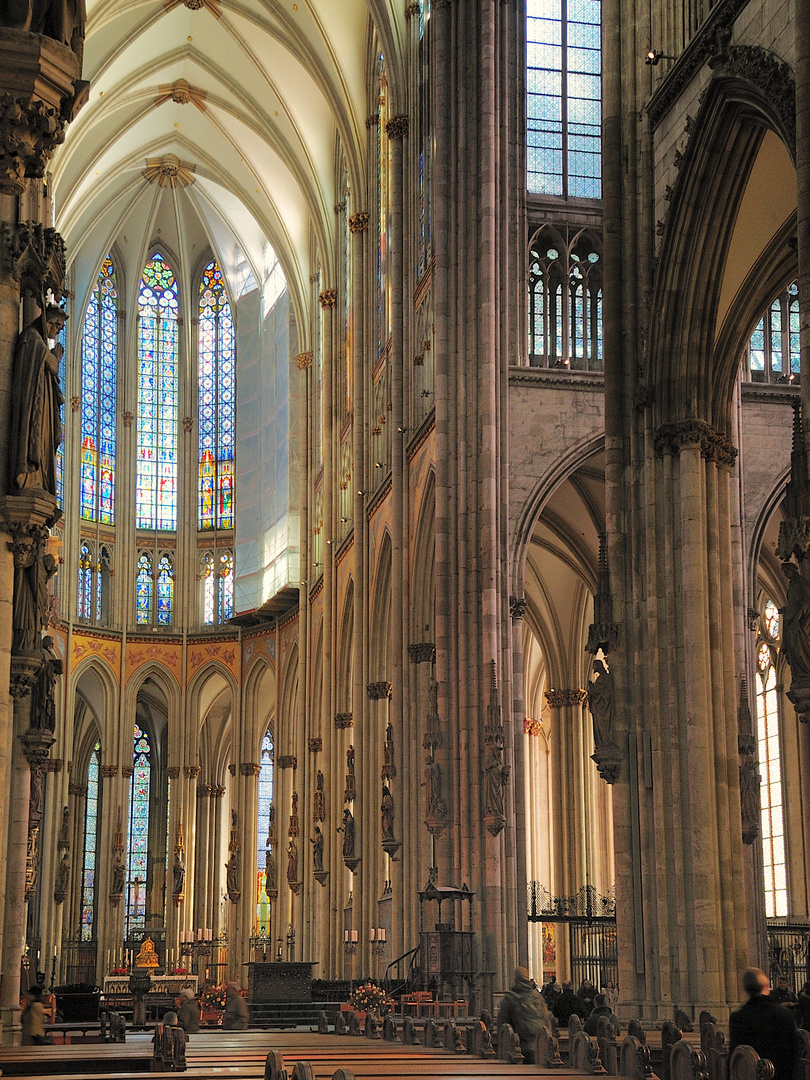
(344, 720)
(397, 127)
(422, 652)
(559, 699)
(378, 691)
(411, 10)
(303, 361)
(249, 768)
(328, 298)
(713, 444)
(288, 761)
(358, 222)
(34, 256)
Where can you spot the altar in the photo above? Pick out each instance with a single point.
(280, 980)
(161, 984)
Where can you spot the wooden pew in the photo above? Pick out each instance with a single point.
(634, 1059)
(746, 1064)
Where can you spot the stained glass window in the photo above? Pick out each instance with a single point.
(225, 580)
(774, 862)
(424, 212)
(209, 587)
(564, 97)
(773, 349)
(217, 401)
(60, 457)
(99, 355)
(138, 830)
(382, 209)
(156, 479)
(87, 914)
(143, 589)
(85, 606)
(165, 591)
(265, 802)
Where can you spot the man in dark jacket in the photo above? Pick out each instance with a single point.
(524, 1009)
(769, 1028)
(601, 1008)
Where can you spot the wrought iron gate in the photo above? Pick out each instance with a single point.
(591, 921)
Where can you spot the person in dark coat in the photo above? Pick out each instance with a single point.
(601, 1008)
(524, 1009)
(767, 1027)
(587, 995)
(567, 1004)
(783, 995)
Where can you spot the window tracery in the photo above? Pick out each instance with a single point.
(773, 349)
(137, 853)
(565, 300)
(263, 835)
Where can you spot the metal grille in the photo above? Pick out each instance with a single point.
(588, 903)
(593, 950)
(789, 952)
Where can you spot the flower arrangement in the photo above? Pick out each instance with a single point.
(179, 971)
(120, 971)
(368, 997)
(213, 997)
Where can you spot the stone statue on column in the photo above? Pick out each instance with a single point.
(600, 703)
(317, 850)
(387, 813)
(796, 634)
(60, 889)
(43, 692)
(61, 20)
(36, 424)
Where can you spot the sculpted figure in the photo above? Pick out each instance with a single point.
(232, 876)
(179, 876)
(388, 750)
(119, 878)
(796, 623)
(749, 791)
(600, 702)
(387, 813)
(32, 572)
(348, 834)
(292, 861)
(62, 20)
(317, 850)
(496, 776)
(43, 703)
(269, 870)
(36, 426)
(62, 879)
(433, 787)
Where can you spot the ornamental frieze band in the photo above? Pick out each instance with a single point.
(560, 699)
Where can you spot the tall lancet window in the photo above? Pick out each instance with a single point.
(156, 476)
(262, 859)
(88, 903)
(99, 357)
(137, 855)
(774, 861)
(144, 590)
(217, 401)
(165, 591)
(59, 464)
(564, 97)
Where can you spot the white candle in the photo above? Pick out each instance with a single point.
(381, 934)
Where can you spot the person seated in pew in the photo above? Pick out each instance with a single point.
(237, 1013)
(188, 1014)
(601, 1008)
(567, 1004)
(524, 1009)
(767, 1027)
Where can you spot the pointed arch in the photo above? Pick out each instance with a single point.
(380, 614)
(345, 664)
(423, 569)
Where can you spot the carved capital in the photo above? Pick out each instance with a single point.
(217, 791)
(204, 791)
(411, 10)
(303, 361)
(191, 771)
(127, 771)
(373, 120)
(30, 131)
(517, 607)
(344, 720)
(609, 763)
(559, 699)
(422, 652)
(358, 222)
(24, 668)
(249, 768)
(288, 761)
(315, 746)
(109, 770)
(328, 298)
(78, 790)
(173, 772)
(36, 746)
(127, 417)
(379, 691)
(532, 727)
(713, 444)
(397, 128)
(34, 256)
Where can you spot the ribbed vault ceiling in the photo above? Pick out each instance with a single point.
(268, 89)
